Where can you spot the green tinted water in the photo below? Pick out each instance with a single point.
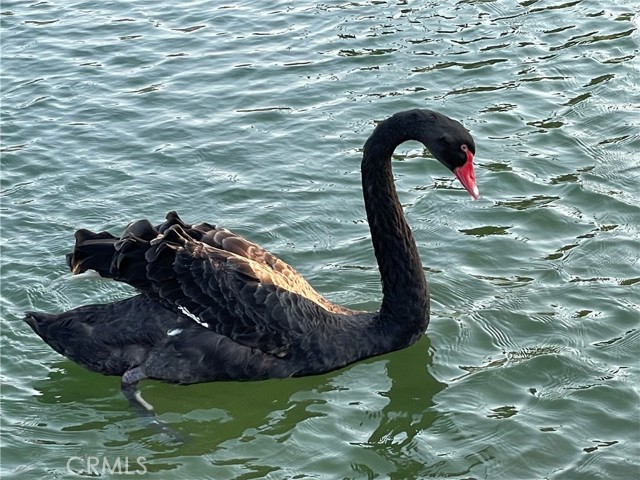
(253, 117)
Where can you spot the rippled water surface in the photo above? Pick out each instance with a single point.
(252, 115)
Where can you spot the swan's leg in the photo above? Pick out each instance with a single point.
(129, 387)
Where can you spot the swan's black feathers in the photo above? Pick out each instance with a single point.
(238, 297)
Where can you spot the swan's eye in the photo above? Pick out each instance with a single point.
(466, 148)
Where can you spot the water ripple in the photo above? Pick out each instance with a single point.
(254, 117)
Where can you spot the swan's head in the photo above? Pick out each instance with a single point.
(454, 147)
(449, 142)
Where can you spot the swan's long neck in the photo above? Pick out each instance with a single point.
(405, 303)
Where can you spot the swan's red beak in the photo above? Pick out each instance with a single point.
(467, 176)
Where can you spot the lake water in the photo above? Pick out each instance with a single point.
(253, 116)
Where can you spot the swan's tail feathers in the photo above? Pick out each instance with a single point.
(109, 338)
(93, 251)
(40, 323)
(68, 337)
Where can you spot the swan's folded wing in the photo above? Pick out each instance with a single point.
(229, 285)
(228, 293)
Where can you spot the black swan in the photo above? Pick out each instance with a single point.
(214, 306)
